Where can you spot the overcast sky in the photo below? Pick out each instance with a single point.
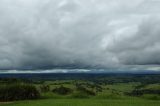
(40, 34)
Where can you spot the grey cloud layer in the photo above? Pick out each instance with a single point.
(79, 33)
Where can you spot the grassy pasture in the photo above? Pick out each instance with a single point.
(113, 94)
(85, 102)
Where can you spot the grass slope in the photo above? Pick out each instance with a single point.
(85, 102)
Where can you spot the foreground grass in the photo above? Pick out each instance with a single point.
(85, 102)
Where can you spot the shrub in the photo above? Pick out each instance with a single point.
(151, 96)
(45, 88)
(18, 92)
(137, 92)
(62, 90)
(85, 90)
(80, 95)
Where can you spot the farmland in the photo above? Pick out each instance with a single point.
(110, 90)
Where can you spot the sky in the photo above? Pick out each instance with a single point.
(48, 34)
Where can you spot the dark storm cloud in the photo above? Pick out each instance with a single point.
(78, 33)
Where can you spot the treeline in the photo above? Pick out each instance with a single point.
(143, 91)
(83, 88)
(101, 78)
(143, 79)
(14, 80)
(96, 78)
(13, 89)
(13, 92)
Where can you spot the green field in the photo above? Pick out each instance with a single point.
(86, 102)
(95, 93)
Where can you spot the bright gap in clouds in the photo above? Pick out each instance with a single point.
(46, 34)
